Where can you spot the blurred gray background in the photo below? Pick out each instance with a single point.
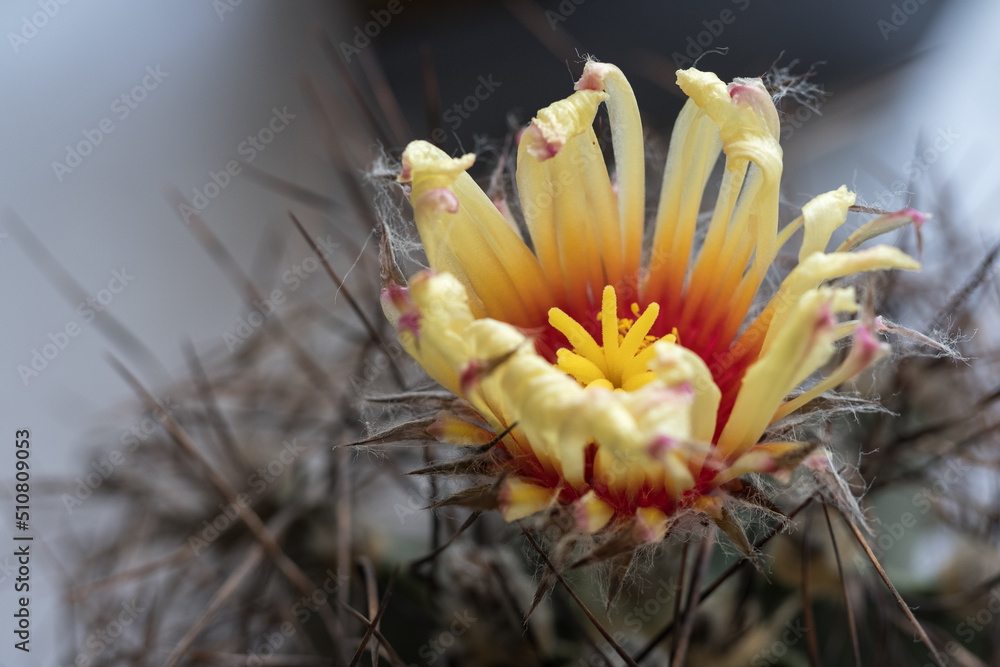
(166, 94)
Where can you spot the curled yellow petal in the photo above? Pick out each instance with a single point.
(557, 123)
(677, 367)
(822, 216)
(567, 199)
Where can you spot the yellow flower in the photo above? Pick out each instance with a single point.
(628, 386)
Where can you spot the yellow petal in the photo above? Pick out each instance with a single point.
(820, 267)
(566, 195)
(677, 366)
(592, 513)
(709, 505)
(762, 458)
(630, 156)
(694, 150)
(519, 499)
(463, 233)
(803, 344)
(557, 123)
(822, 216)
(651, 524)
(441, 312)
(722, 287)
(450, 428)
(865, 351)
(882, 225)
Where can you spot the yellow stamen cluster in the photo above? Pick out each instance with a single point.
(622, 362)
